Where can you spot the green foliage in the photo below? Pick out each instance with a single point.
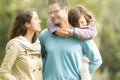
(105, 75)
(117, 76)
(1, 79)
(109, 38)
(2, 53)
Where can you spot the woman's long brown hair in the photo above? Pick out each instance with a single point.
(18, 27)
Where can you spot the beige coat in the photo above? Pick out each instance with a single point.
(21, 62)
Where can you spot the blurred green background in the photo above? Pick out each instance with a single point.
(107, 20)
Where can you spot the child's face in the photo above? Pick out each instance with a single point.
(82, 21)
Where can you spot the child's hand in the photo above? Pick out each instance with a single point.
(63, 32)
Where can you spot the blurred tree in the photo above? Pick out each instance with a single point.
(110, 38)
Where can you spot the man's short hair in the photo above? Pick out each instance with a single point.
(61, 3)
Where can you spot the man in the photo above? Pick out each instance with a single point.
(62, 57)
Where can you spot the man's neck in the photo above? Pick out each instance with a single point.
(65, 24)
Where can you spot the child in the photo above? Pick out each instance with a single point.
(80, 17)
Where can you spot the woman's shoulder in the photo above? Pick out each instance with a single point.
(12, 44)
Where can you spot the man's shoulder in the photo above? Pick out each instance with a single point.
(44, 35)
(44, 31)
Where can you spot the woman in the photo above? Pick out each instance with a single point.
(22, 60)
